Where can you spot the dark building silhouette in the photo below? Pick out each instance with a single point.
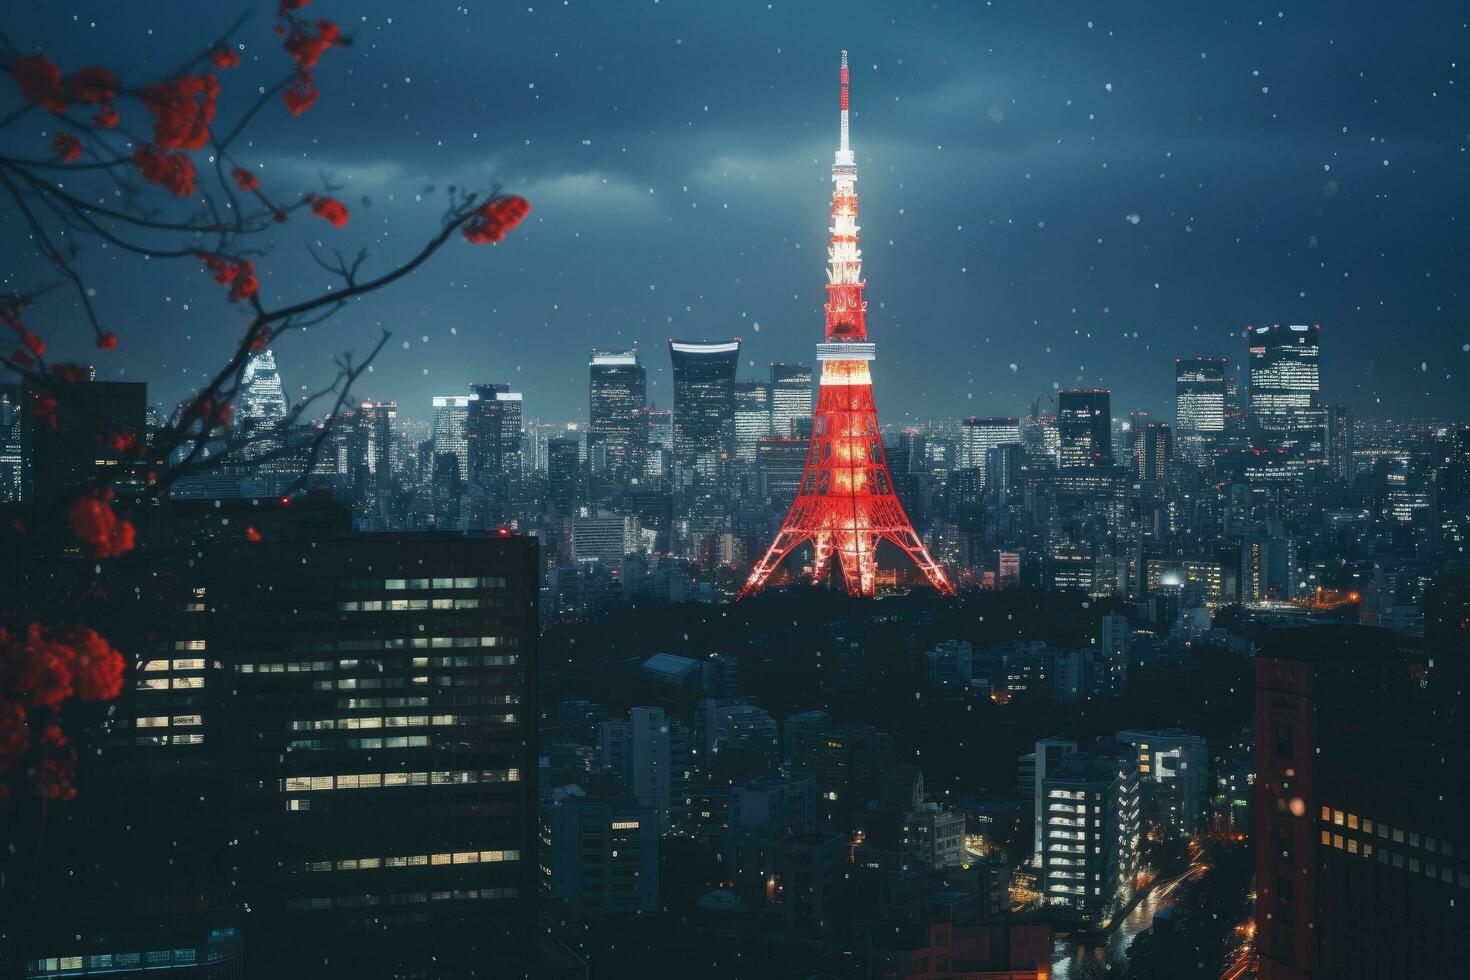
(1362, 854)
(57, 460)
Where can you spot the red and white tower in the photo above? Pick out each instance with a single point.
(845, 504)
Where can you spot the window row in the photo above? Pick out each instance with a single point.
(318, 666)
(408, 898)
(395, 584)
(416, 860)
(375, 780)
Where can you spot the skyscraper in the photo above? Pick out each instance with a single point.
(1085, 424)
(1199, 407)
(451, 418)
(752, 417)
(1285, 391)
(262, 399)
(617, 429)
(1340, 441)
(979, 435)
(846, 503)
(563, 475)
(493, 427)
(704, 406)
(1154, 450)
(791, 397)
(9, 443)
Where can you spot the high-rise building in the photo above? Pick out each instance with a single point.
(1340, 441)
(451, 420)
(9, 443)
(1199, 407)
(704, 407)
(493, 430)
(752, 417)
(979, 435)
(791, 397)
(1085, 427)
(1285, 392)
(1174, 772)
(262, 398)
(617, 430)
(1362, 864)
(369, 461)
(847, 502)
(1153, 451)
(89, 415)
(604, 854)
(563, 475)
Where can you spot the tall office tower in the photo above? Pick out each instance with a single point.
(1199, 407)
(979, 435)
(704, 407)
(385, 743)
(451, 420)
(752, 417)
(9, 443)
(57, 461)
(604, 854)
(369, 461)
(493, 430)
(791, 397)
(660, 454)
(846, 503)
(1340, 441)
(1285, 391)
(1154, 450)
(563, 475)
(1085, 427)
(1237, 415)
(1362, 864)
(617, 431)
(1002, 472)
(1089, 852)
(262, 399)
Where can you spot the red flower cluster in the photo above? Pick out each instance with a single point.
(329, 209)
(251, 534)
(289, 5)
(238, 274)
(302, 95)
(66, 146)
(173, 170)
(41, 84)
(245, 180)
(495, 218)
(43, 407)
(306, 46)
(106, 117)
(94, 522)
(182, 110)
(106, 340)
(44, 667)
(224, 58)
(121, 441)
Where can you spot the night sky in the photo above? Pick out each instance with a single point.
(1052, 194)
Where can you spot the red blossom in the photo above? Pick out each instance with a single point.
(106, 340)
(40, 82)
(71, 373)
(15, 734)
(106, 118)
(52, 778)
(329, 209)
(251, 534)
(173, 170)
(93, 521)
(238, 274)
(307, 48)
(301, 96)
(23, 359)
(493, 219)
(260, 337)
(92, 86)
(224, 58)
(66, 146)
(289, 5)
(245, 180)
(44, 667)
(182, 110)
(43, 407)
(121, 441)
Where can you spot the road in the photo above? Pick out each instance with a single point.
(1067, 959)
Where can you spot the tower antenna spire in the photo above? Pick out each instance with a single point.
(843, 145)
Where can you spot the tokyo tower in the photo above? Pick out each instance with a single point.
(845, 503)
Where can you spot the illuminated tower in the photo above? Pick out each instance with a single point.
(845, 503)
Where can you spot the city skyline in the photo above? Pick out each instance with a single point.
(1014, 191)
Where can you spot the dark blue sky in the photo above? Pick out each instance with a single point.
(1052, 194)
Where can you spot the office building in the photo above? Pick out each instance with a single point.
(563, 475)
(1153, 452)
(752, 417)
(1286, 412)
(791, 398)
(493, 429)
(1362, 856)
(617, 430)
(1199, 407)
(979, 435)
(1091, 828)
(1085, 428)
(704, 407)
(451, 420)
(604, 854)
(1174, 776)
